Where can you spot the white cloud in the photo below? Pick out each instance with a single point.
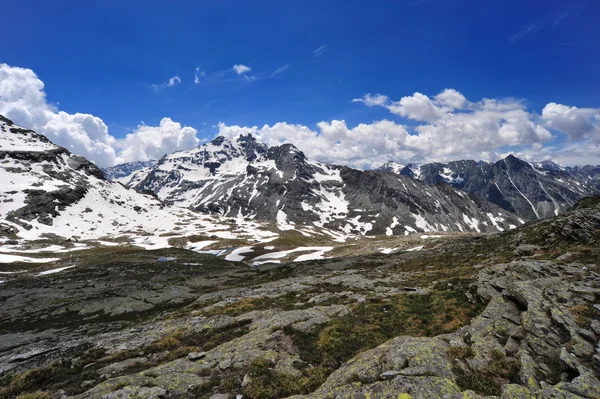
(418, 106)
(152, 142)
(362, 146)
(241, 69)
(280, 69)
(372, 100)
(451, 98)
(576, 122)
(319, 51)
(173, 81)
(198, 74)
(23, 100)
(449, 128)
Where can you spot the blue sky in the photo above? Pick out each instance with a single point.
(114, 59)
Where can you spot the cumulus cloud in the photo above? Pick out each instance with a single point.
(172, 81)
(241, 69)
(451, 98)
(365, 145)
(152, 142)
(576, 122)
(449, 127)
(418, 106)
(23, 100)
(441, 127)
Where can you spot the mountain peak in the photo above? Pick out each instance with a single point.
(19, 139)
(6, 120)
(391, 166)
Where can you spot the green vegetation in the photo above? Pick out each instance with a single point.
(287, 301)
(488, 380)
(366, 326)
(376, 321)
(68, 376)
(460, 352)
(35, 395)
(584, 314)
(56, 375)
(265, 383)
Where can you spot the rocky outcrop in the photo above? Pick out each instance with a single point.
(531, 341)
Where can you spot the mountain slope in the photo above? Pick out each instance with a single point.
(47, 191)
(392, 167)
(123, 172)
(241, 177)
(531, 190)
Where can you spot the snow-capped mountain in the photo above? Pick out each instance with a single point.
(242, 178)
(531, 190)
(124, 171)
(47, 191)
(392, 167)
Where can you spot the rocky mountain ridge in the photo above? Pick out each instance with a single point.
(125, 170)
(242, 178)
(531, 190)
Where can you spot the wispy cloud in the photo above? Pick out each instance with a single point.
(241, 69)
(198, 74)
(560, 18)
(280, 69)
(319, 51)
(174, 80)
(531, 28)
(238, 73)
(574, 8)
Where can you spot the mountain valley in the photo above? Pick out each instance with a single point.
(237, 270)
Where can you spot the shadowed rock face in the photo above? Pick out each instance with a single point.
(531, 190)
(242, 178)
(43, 206)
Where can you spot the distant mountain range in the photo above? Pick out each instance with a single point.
(531, 190)
(46, 189)
(242, 178)
(125, 170)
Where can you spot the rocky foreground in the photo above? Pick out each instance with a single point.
(512, 315)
